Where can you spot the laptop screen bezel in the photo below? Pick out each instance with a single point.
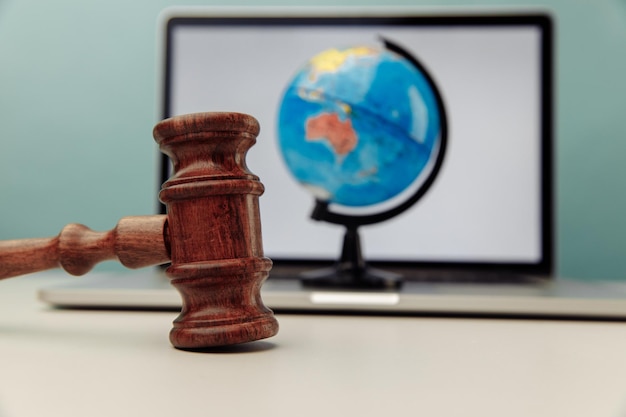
(540, 20)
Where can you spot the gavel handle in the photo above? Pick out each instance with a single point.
(136, 242)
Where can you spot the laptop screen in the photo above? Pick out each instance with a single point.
(490, 205)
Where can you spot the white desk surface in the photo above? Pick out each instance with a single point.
(116, 363)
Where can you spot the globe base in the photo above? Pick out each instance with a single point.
(363, 278)
(351, 271)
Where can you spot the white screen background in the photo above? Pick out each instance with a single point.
(484, 205)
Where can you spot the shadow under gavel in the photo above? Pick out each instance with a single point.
(211, 234)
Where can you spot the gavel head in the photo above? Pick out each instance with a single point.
(214, 230)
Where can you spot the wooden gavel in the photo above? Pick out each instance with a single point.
(211, 234)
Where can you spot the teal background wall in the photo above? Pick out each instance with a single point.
(78, 102)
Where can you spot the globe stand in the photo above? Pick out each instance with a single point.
(351, 271)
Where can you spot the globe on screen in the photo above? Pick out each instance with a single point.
(357, 125)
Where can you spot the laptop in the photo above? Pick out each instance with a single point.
(479, 241)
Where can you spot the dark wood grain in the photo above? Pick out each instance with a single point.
(135, 242)
(211, 234)
(212, 205)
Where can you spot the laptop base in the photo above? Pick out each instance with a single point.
(555, 298)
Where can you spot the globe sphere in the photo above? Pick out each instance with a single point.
(357, 126)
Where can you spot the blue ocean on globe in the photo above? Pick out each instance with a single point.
(357, 126)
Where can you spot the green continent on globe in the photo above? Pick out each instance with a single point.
(357, 126)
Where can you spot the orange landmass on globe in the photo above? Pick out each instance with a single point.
(340, 134)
